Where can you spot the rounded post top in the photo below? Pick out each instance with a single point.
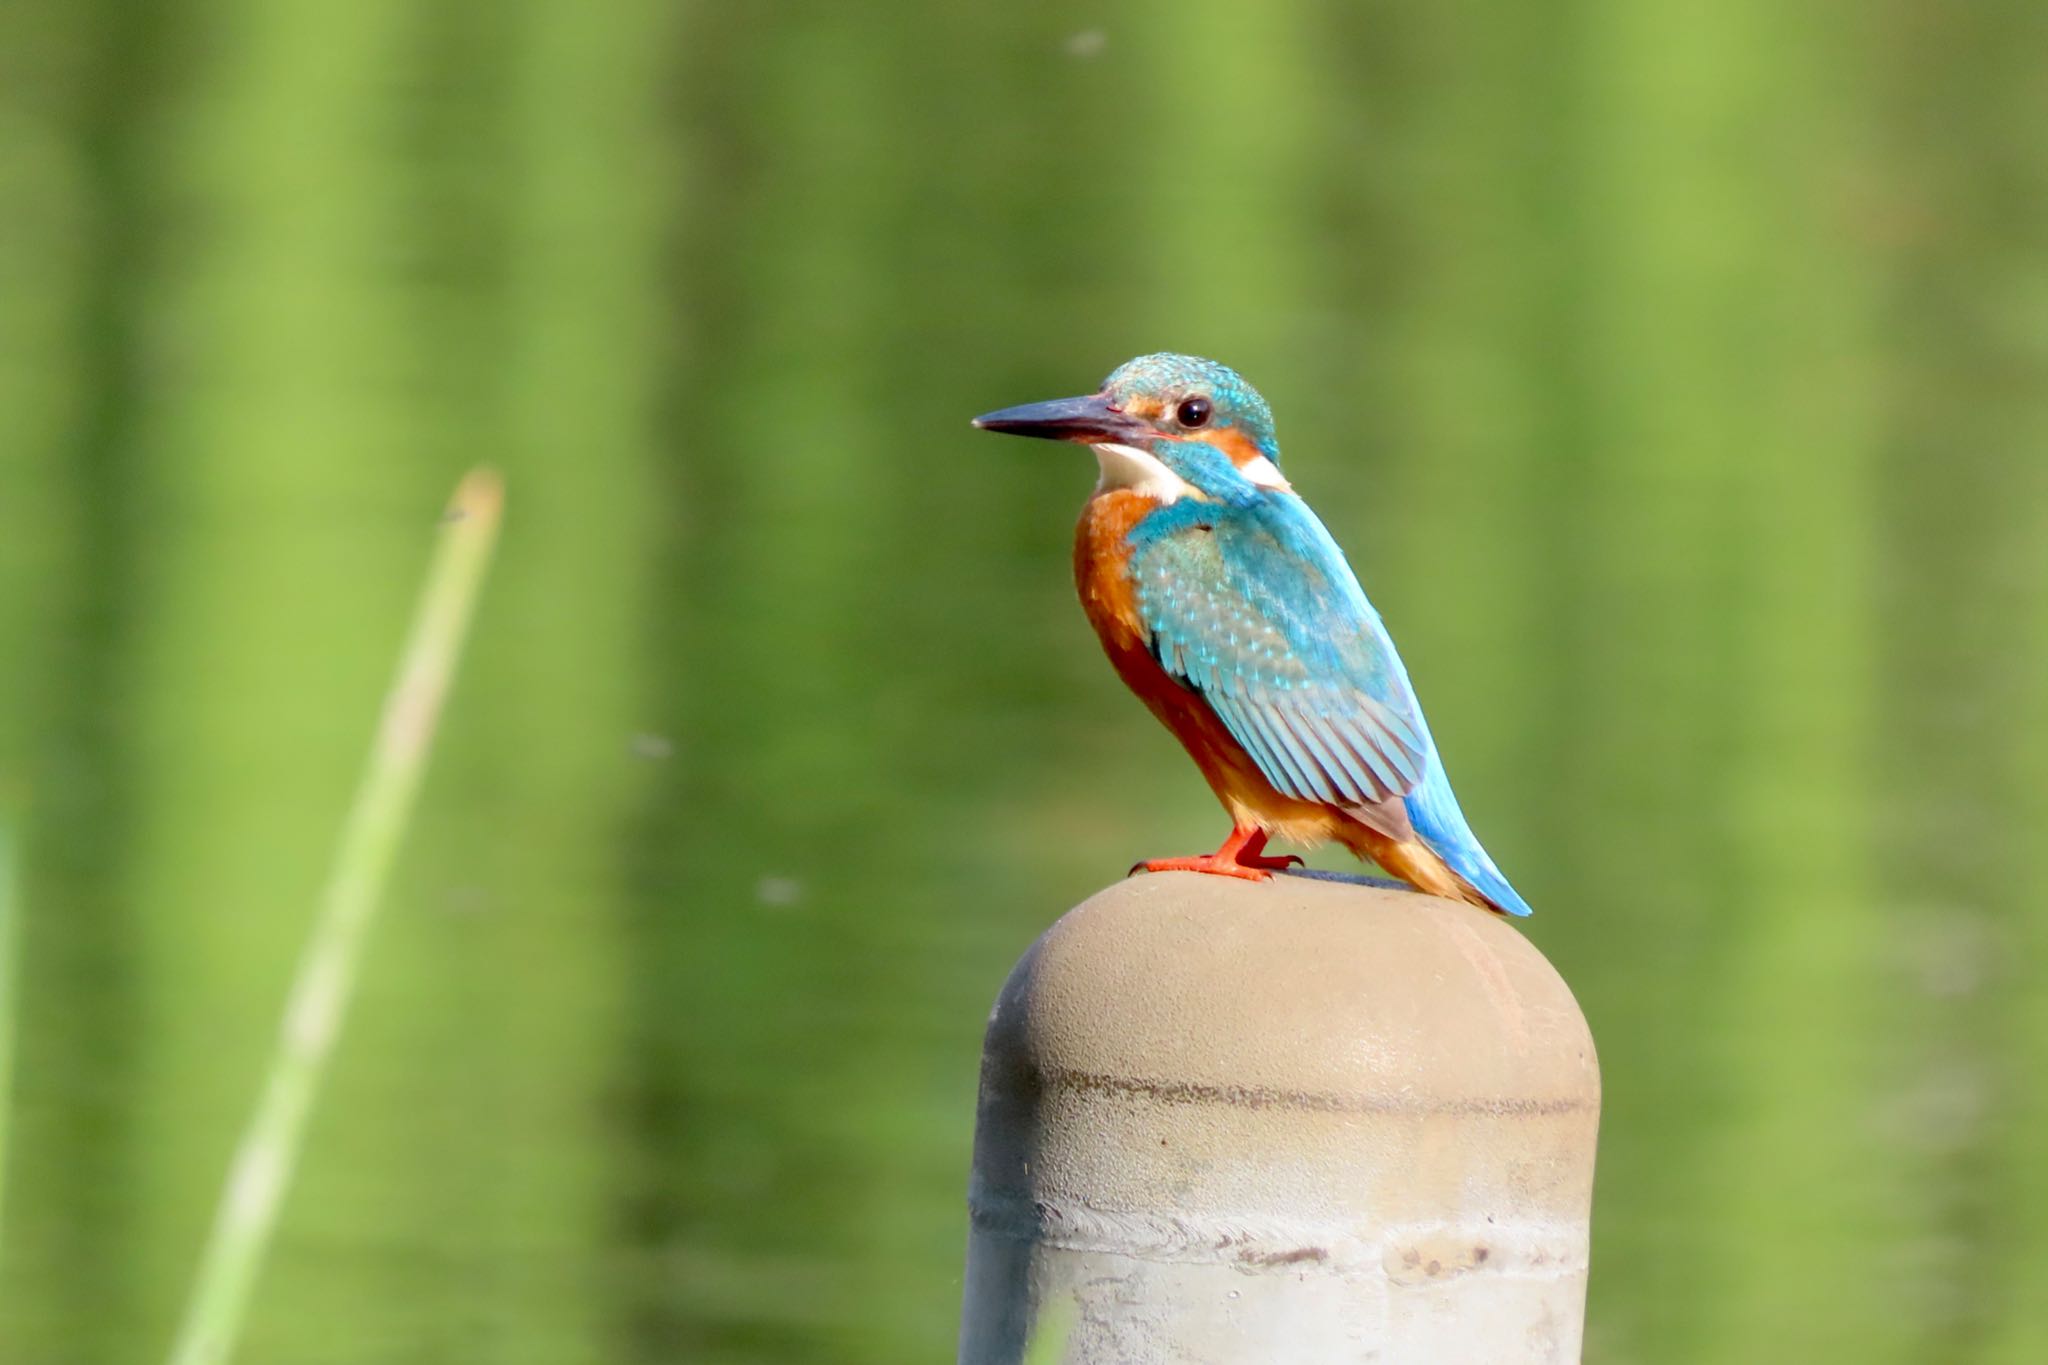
(1298, 1119)
(1299, 991)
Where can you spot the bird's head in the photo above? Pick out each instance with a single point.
(1167, 425)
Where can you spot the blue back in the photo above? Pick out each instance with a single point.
(1249, 601)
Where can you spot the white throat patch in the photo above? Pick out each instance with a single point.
(1141, 472)
(1265, 474)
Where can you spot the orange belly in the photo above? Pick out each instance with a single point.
(1102, 554)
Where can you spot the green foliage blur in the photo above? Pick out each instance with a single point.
(1676, 375)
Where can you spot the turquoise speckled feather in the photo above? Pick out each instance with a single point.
(1250, 602)
(1239, 611)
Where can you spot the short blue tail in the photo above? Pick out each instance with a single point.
(1434, 813)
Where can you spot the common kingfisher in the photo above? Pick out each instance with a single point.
(1226, 606)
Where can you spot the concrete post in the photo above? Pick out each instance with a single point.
(1297, 1122)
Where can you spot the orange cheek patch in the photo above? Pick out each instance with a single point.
(1241, 449)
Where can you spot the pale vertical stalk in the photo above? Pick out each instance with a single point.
(10, 976)
(377, 819)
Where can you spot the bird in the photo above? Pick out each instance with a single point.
(1223, 601)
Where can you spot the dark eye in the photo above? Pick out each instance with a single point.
(1192, 412)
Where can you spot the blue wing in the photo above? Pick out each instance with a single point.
(1253, 605)
(1283, 646)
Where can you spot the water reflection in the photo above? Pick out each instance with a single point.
(1674, 375)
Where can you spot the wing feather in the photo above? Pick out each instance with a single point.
(1354, 760)
(1255, 609)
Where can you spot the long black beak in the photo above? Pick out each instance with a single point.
(1087, 419)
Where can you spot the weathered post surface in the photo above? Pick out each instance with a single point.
(1296, 1121)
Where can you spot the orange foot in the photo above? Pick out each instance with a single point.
(1242, 855)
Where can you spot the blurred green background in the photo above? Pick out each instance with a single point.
(1677, 376)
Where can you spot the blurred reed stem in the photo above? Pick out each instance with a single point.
(10, 975)
(383, 805)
